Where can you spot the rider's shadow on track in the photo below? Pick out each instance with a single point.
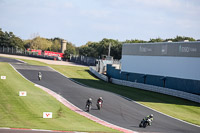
(94, 109)
(91, 109)
(135, 126)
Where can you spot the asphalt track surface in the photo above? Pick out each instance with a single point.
(116, 109)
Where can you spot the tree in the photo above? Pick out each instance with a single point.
(70, 49)
(135, 41)
(8, 39)
(182, 38)
(156, 40)
(97, 49)
(56, 45)
(40, 43)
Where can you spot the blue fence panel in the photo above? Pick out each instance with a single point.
(186, 85)
(155, 80)
(112, 72)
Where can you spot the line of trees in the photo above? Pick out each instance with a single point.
(43, 44)
(90, 49)
(8, 39)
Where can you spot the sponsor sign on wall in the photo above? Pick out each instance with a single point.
(177, 49)
(47, 115)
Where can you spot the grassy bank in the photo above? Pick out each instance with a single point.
(26, 112)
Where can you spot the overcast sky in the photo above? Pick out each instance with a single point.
(80, 21)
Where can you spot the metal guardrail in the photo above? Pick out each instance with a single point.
(89, 61)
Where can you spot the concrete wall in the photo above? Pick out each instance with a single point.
(179, 67)
(167, 91)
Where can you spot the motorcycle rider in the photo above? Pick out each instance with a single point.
(100, 99)
(39, 75)
(88, 102)
(149, 117)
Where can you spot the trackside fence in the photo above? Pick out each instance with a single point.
(100, 76)
(24, 52)
(89, 61)
(167, 91)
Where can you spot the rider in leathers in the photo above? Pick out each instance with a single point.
(89, 102)
(150, 117)
(39, 75)
(100, 99)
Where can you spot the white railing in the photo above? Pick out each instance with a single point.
(100, 76)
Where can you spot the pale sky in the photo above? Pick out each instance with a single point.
(80, 21)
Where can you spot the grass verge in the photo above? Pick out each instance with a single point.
(26, 112)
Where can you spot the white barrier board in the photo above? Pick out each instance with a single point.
(3, 77)
(22, 93)
(47, 115)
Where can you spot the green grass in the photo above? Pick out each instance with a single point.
(33, 62)
(179, 108)
(26, 112)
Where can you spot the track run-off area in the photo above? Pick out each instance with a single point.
(116, 109)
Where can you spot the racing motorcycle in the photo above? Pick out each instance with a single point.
(40, 76)
(144, 123)
(99, 105)
(88, 107)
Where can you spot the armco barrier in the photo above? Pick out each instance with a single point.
(100, 76)
(167, 91)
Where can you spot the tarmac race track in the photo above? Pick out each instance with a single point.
(116, 109)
